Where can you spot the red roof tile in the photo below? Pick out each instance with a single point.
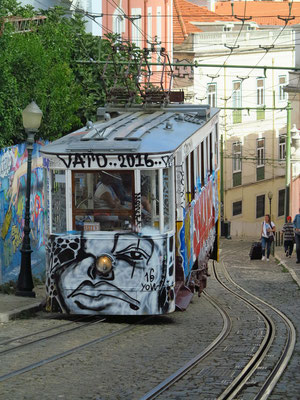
(262, 12)
(185, 12)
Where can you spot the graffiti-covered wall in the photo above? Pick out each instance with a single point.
(13, 169)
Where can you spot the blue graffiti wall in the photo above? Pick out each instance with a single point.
(13, 173)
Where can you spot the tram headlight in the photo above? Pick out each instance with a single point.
(104, 264)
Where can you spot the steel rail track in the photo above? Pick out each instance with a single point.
(70, 351)
(239, 382)
(42, 331)
(236, 385)
(177, 375)
(50, 336)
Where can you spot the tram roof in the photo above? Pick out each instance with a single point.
(139, 129)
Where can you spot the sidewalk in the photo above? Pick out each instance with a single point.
(289, 263)
(12, 306)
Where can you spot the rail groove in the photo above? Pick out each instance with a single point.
(176, 376)
(48, 337)
(239, 382)
(70, 351)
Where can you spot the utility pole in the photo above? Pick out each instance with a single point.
(222, 174)
(287, 162)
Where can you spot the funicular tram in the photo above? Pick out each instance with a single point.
(133, 210)
(133, 207)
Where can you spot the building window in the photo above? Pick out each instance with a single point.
(260, 92)
(118, 22)
(237, 208)
(282, 83)
(260, 156)
(281, 202)
(237, 163)
(136, 26)
(158, 32)
(149, 25)
(260, 99)
(237, 102)
(212, 94)
(260, 206)
(260, 152)
(282, 147)
(117, 25)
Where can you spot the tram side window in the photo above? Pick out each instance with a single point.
(190, 177)
(58, 199)
(149, 199)
(102, 200)
(192, 168)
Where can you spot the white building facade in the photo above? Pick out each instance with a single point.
(254, 113)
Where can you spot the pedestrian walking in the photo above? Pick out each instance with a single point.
(296, 223)
(288, 237)
(267, 236)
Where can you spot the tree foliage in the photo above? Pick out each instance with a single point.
(42, 65)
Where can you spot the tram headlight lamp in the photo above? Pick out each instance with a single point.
(104, 264)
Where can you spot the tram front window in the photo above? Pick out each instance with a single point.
(102, 200)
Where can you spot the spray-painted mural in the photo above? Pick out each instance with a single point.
(13, 169)
(197, 233)
(121, 273)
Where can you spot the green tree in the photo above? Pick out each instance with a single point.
(44, 64)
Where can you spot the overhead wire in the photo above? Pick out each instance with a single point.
(89, 15)
(280, 33)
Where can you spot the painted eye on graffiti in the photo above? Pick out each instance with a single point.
(133, 255)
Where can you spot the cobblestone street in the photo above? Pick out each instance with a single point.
(128, 365)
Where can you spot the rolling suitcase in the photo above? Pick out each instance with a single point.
(255, 251)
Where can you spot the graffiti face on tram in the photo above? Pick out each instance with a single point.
(93, 275)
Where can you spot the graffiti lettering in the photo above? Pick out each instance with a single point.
(5, 165)
(135, 160)
(180, 185)
(15, 237)
(137, 209)
(168, 160)
(187, 148)
(166, 188)
(149, 275)
(150, 287)
(84, 160)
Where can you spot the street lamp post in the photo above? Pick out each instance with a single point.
(270, 197)
(32, 116)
